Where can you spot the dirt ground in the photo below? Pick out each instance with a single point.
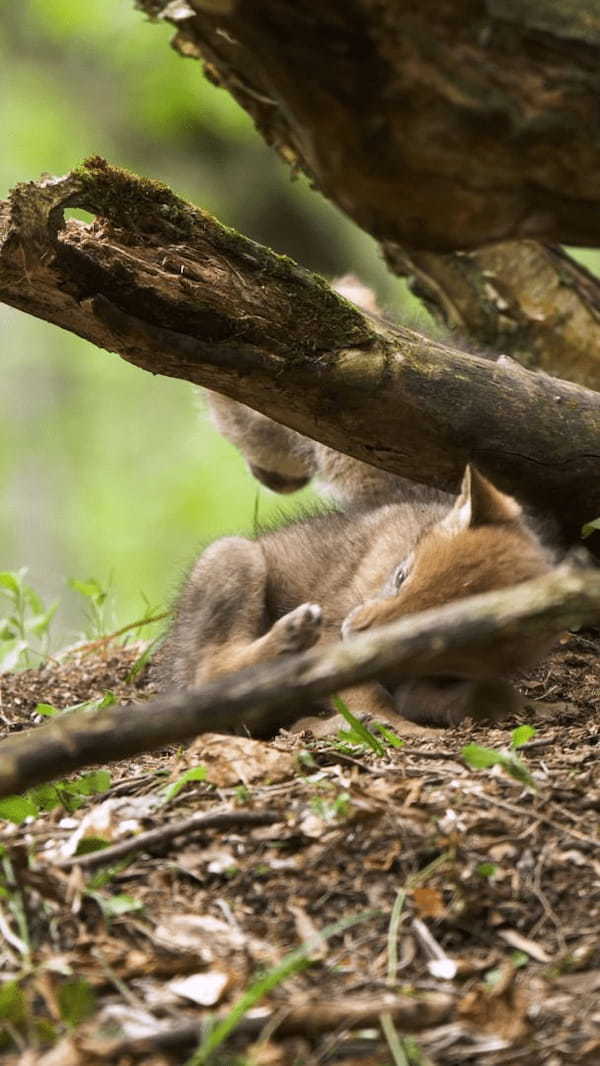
(469, 901)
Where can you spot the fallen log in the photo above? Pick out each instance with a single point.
(173, 291)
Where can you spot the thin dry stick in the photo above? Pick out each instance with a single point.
(410, 1013)
(523, 811)
(166, 833)
(91, 645)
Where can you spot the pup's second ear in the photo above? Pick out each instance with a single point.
(480, 504)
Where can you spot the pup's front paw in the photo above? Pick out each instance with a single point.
(299, 629)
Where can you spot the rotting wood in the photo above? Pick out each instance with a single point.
(528, 300)
(265, 697)
(173, 291)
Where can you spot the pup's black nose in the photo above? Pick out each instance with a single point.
(278, 482)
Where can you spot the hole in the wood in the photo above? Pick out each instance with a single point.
(79, 214)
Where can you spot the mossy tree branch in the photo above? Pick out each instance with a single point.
(175, 292)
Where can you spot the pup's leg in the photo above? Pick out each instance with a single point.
(221, 621)
(447, 701)
(368, 699)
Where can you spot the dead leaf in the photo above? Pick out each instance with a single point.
(504, 1015)
(230, 760)
(308, 931)
(110, 820)
(199, 934)
(429, 902)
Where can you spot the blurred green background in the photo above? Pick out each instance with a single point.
(106, 471)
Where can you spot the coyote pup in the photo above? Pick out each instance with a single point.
(335, 574)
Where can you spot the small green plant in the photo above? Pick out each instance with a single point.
(17, 808)
(103, 877)
(10, 891)
(25, 623)
(70, 794)
(518, 960)
(590, 527)
(486, 869)
(388, 735)
(12, 1005)
(108, 699)
(479, 758)
(96, 598)
(115, 906)
(76, 1001)
(46, 710)
(145, 656)
(306, 760)
(195, 773)
(332, 809)
(359, 736)
(25, 628)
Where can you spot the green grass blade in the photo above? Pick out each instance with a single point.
(292, 963)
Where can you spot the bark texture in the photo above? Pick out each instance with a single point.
(173, 291)
(438, 127)
(275, 693)
(520, 297)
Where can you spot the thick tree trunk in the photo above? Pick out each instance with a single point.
(176, 293)
(438, 127)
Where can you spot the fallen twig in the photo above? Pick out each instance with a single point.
(263, 698)
(409, 1013)
(92, 645)
(153, 837)
(584, 840)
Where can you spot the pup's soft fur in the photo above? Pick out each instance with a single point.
(332, 575)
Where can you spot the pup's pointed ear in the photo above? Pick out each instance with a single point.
(480, 504)
(489, 506)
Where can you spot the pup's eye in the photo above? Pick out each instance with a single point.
(399, 575)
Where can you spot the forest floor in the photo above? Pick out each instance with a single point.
(394, 907)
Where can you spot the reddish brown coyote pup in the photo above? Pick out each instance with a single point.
(326, 577)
